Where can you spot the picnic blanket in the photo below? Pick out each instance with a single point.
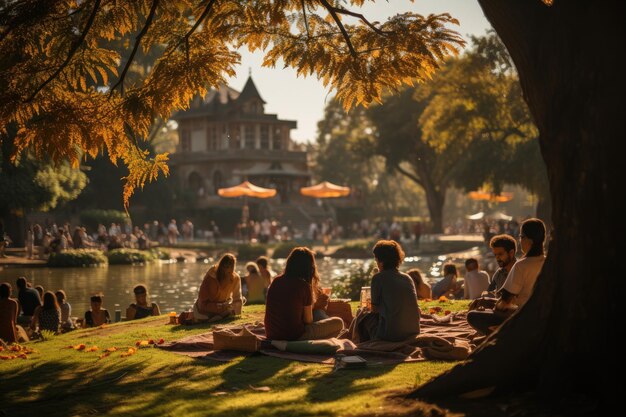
(447, 338)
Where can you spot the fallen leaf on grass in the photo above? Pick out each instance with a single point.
(218, 393)
(111, 349)
(104, 355)
(261, 389)
(92, 349)
(130, 351)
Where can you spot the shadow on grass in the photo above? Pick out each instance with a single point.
(342, 383)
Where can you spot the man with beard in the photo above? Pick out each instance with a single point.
(482, 314)
(504, 248)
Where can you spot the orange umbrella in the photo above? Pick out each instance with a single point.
(247, 189)
(325, 190)
(483, 195)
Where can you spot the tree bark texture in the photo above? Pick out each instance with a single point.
(564, 339)
(435, 199)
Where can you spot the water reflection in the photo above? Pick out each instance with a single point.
(174, 286)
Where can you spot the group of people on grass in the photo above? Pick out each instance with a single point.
(296, 303)
(36, 310)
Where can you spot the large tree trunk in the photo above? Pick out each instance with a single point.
(563, 340)
(435, 199)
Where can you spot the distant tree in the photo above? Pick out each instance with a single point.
(341, 157)
(31, 185)
(461, 129)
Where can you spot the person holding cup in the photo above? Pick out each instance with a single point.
(393, 296)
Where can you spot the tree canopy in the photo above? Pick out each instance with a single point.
(342, 156)
(65, 87)
(464, 128)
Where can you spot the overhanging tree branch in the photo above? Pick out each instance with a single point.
(360, 17)
(185, 39)
(409, 175)
(306, 23)
(73, 50)
(141, 34)
(345, 34)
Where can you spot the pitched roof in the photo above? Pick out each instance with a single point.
(249, 91)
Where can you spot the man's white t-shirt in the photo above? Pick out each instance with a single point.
(521, 279)
(475, 283)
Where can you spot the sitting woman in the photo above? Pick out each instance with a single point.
(290, 300)
(393, 297)
(66, 311)
(48, 315)
(424, 292)
(140, 309)
(220, 292)
(97, 315)
(8, 315)
(448, 285)
(255, 284)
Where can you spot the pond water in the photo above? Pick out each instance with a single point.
(174, 286)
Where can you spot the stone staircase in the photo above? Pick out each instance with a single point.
(300, 215)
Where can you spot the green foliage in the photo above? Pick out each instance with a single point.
(63, 182)
(29, 184)
(91, 218)
(130, 256)
(360, 250)
(460, 129)
(349, 286)
(250, 252)
(160, 254)
(343, 155)
(283, 249)
(77, 257)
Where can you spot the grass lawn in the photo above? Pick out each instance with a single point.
(57, 381)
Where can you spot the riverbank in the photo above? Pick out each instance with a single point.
(57, 381)
(192, 251)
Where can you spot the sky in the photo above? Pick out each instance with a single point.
(303, 99)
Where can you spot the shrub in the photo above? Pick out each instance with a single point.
(91, 218)
(349, 286)
(129, 256)
(160, 254)
(360, 250)
(283, 250)
(250, 252)
(77, 257)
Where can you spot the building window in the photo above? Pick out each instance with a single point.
(233, 136)
(212, 139)
(249, 137)
(185, 141)
(198, 141)
(265, 137)
(277, 141)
